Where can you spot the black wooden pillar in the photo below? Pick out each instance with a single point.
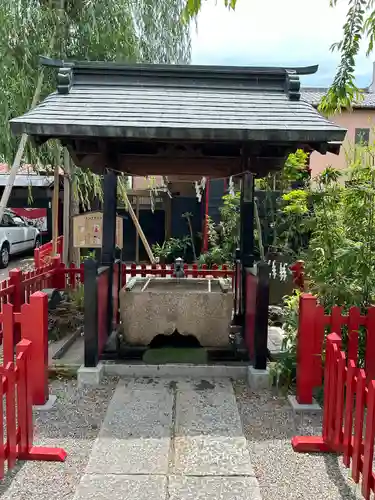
(108, 253)
(109, 218)
(91, 313)
(261, 317)
(246, 232)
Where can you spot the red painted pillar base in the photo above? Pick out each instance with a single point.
(310, 444)
(44, 454)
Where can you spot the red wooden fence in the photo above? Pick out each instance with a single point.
(30, 323)
(310, 341)
(163, 270)
(43, 255)
(348, 392)
(15, 386)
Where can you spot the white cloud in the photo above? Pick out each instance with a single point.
(274, 32)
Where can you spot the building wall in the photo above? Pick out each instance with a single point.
(143, 183)
(358, 118)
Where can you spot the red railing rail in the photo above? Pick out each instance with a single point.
(163, 270)
(43, 255)
(312, 325)
(17, 424)
(349, 392)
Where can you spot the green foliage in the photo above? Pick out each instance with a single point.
(340, 258)
(77, 297)
(282, 228)
(223, 238)
(112, 30)
(230, 221)
(360, 20)
(296, 168)
(214, 256)
(192, 8)
(284, 370)
(172, 248)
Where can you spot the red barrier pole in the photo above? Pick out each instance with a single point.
(305, 349)
(36, 258)
(34, 327)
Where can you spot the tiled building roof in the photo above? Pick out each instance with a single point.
(313, 96)
(171, 102)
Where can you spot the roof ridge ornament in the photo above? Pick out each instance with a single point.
(293, 85)
(64, 80)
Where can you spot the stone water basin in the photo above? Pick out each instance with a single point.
(192, 306)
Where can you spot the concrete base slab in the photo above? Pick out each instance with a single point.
(48, 405)
(175, 370)
(90, 376)
(313, 408)
(213, 488)
(258, 379)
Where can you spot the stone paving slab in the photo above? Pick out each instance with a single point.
(171, 439)
(135, 435)
(121, 487)
(212, 456)
(207, 408)
(208, 431)
(213, 488)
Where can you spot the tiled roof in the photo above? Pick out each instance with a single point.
(314, 95)
(177, 102)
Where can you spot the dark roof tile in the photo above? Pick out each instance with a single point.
(313, 96)
(148, 102)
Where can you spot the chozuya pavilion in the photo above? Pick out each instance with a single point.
(214, 121)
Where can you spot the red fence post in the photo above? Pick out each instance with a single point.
(305, 349)
(24, 408)
(34, 327)
(15, 279)
(58, 278)
(8, 333)
(37, 258)
(370, 344)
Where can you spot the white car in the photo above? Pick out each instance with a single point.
(16, 236)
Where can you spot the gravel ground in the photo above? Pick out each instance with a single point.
(269, 424)
(73, 424)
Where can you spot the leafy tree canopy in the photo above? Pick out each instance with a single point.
(124, 30)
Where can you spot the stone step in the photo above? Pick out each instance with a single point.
(175, 439)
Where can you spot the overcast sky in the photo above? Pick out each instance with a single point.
(275, 33)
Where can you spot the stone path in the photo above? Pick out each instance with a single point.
(170, 440)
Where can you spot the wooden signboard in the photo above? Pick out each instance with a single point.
(88, 230)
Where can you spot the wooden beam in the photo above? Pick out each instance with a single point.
(139, 230)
